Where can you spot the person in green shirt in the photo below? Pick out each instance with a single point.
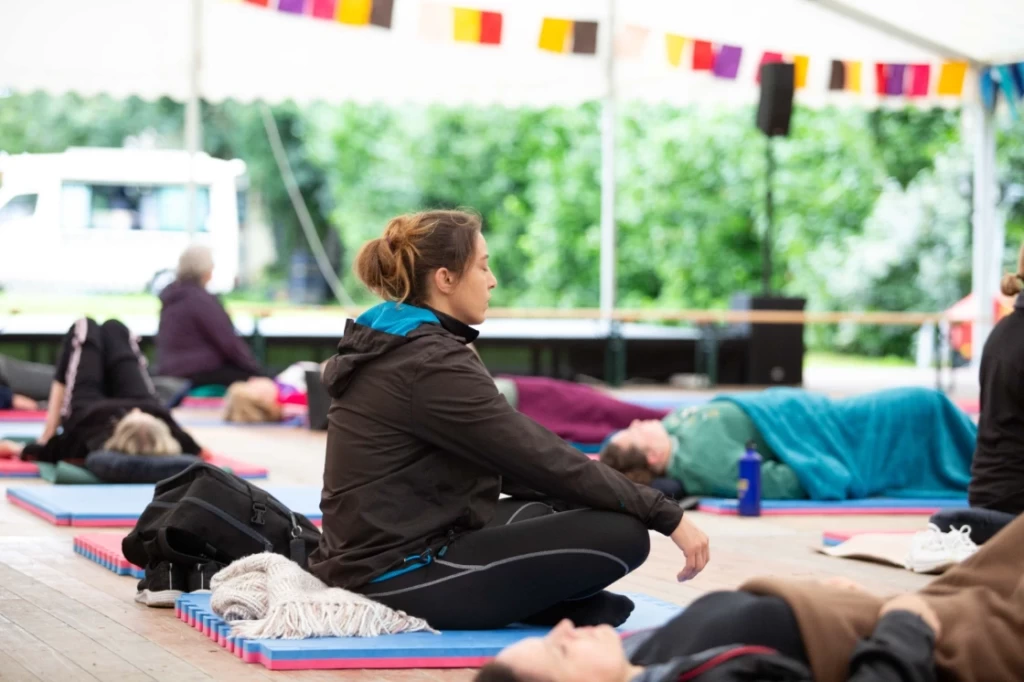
(700, 447)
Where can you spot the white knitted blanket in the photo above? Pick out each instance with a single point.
(268, 596)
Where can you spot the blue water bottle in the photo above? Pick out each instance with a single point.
(749, 486)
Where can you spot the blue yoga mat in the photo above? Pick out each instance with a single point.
(120, 505)
(871, 505)
(34, 429)
(451, 649)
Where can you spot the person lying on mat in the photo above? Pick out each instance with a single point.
(102, 397)
(895, 442)
(262, 399)
(196, 339)
(420, 444)
(965, 625)
(18, 380)
(997, 472)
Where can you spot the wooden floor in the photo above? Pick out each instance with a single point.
(64, 618)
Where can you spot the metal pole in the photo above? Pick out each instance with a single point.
(769, 213)
(193, 117)
(608, 170)
(983, 278)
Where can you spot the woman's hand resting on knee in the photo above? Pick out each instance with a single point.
(694, 544)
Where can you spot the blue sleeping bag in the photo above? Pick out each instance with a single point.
(901, 442)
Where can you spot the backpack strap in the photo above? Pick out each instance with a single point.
(172, 554)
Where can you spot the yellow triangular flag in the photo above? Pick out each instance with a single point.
(356, 12)
(951, 78)
(554, 35)
(674, 48)
(853, 76)
(800, 63)
(467, 25)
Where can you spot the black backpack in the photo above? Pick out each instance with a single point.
(202, 519)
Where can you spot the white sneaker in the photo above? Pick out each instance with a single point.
(932, 550)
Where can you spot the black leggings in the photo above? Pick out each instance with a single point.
(98, 362)
(529, 565)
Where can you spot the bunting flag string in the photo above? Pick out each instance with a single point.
(439, 21)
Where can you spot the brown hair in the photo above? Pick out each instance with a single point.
(240, 406)
(497, 672)
(397, 265)
(1012, 284)
(631, 462)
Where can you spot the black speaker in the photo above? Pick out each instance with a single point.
(776, 105)
(775, 352)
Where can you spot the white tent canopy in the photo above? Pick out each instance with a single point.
(218, 49)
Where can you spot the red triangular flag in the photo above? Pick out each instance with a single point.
(880, 79)
(920, 75)
(703, 56)
(768, 58)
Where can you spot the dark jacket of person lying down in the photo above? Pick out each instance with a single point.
(404, 476)
(91, 429)
(966, 625)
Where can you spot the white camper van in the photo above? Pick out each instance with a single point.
(112, 220)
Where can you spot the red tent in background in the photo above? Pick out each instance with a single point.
(961, 315)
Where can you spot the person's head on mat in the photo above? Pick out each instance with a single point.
(436, 259)
(252, 401)
(139, 433)
(640, 452)
(566, 654)
(195, 265)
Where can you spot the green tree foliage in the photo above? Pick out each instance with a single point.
(871, 208)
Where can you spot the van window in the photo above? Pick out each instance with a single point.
(160, 208)
(20, 206)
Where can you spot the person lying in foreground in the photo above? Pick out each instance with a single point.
(420, 445)
(103, 398)
(966, 625)
(895, 442)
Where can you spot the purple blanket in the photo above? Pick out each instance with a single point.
(576, 412)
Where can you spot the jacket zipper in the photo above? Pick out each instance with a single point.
(267, 544)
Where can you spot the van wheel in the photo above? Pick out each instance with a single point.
(160, 281)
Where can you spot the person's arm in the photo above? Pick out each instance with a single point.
(457, 407)
(902, 646)
(218, 330)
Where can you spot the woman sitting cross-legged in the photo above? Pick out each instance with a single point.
(420, 444)
(103, 398)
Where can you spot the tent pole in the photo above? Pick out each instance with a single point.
(193, 115)
(986, 252)
(608, 170)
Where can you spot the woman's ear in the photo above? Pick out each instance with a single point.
(444, 280)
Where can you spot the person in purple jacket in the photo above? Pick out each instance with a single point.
(196, 339)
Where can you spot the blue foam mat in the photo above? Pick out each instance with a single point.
(865, 503)
(324, 652)
(126, 502)
(34, 429)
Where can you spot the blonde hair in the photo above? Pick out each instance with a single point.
(139, 433)
(194, 264)
(241, 406)
(397, 265)
(1012, 284)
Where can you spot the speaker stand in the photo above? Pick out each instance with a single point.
(769, 211)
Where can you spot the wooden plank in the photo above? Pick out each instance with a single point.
(37, 657)
(12, 671)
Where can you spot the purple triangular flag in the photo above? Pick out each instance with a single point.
(291, 6)
(727, 61)
(894, 79)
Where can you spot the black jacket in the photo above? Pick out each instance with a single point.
(419, 440)
(997, 471)
(86, 431)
